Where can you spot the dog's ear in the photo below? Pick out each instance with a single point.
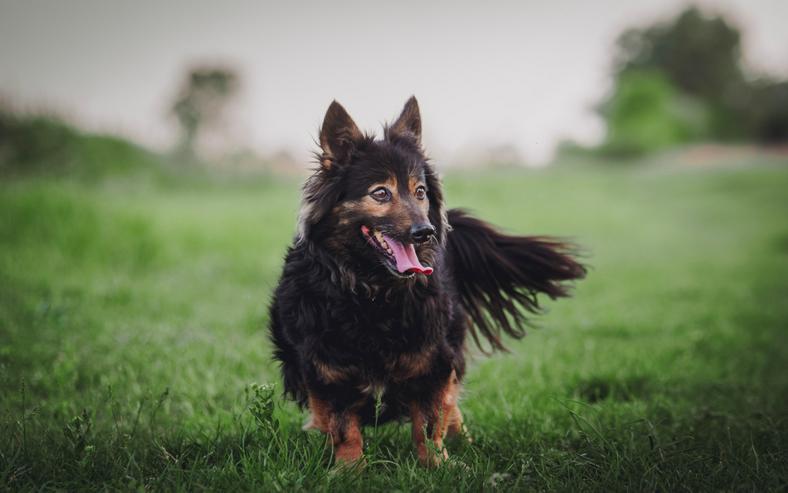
(338, 136)
(409, 122)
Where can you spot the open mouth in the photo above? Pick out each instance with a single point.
(400, 257)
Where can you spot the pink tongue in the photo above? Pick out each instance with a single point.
(406, 258)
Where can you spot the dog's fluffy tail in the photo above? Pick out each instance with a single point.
(499, 276)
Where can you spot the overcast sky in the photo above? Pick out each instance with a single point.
(485, 73)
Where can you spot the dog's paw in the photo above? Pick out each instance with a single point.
(461, 436)
(431, 458)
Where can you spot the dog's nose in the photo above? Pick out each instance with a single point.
(422, 232)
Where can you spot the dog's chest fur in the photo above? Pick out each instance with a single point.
(382, 340)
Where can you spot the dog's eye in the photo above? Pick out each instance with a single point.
(421, 192)
(381, 194)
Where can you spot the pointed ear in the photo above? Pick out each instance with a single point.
(338, 136)
(409, 122)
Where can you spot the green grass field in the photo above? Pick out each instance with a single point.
(133, 327)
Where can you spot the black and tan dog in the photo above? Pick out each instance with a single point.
(382, 285)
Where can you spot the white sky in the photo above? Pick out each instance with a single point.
(486, 73)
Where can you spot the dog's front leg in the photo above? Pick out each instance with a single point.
(432, 419)
(343, 427)
(455, 424)
(427, 433)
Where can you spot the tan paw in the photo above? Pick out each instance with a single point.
(431, 458)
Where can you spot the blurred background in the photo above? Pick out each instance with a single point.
(511, 82)
(151, 158)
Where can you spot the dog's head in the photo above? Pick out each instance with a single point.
(375, 204)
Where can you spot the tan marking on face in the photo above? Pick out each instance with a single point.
(367, 205)
(375, 208)
(402, 211)
(413, 184)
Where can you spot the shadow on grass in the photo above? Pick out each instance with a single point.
(621, 389)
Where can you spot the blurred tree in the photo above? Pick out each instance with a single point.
(46, 144)
(200, 102)
(699, 90)
(647, 113)
(700, 55)
(770, 111)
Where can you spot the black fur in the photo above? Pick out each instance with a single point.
(339, 311)
(501, 275)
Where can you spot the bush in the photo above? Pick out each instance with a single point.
(35, 144)
(770, 112)
(647, 113)
(683, 80)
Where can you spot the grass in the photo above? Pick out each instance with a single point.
(133, 336)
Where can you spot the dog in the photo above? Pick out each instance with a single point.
(382, 286)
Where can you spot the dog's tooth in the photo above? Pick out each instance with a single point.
(383, 243)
